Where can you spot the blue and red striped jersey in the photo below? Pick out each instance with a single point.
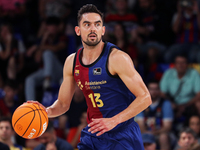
(106, 95)
(189, 30)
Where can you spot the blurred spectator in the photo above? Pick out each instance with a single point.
(151, 66)
(186, 26)
(75, 132)
(181, 84)
(194, 124)
(153, 29)
(11, 8)
(149, 141)
(7, 134)
(121, 40)
(110, 7)
(50, 141)
(32, 14)
(11, 53)
(187, 140)
(121, 14)
(32, 143)
(61, 126)
(194, 109)
(9, 102)
(70, 33)
(78, 104)
(4, 146)
(51, 53)
(169, 5)
(158, 118)
(54, 8)
(14, 12)
(1, 83)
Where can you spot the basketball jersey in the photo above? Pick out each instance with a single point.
(106, 95)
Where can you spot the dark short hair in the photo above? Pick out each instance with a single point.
(88, 8)
(187, 123)
(188, 131)
(153, 81)
(182, 56)
(6, 119)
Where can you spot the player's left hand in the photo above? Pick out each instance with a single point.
(102, 125)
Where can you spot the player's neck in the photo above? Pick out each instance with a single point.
(91, 53)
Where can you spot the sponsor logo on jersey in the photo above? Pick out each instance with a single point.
(76, 72)
(95, 82)
(97, 71)
(79, 84)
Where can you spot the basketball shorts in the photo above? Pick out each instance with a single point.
(124, 138)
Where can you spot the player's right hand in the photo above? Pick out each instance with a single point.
(36, 102)
(48, 110)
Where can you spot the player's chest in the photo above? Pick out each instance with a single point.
(91, 78)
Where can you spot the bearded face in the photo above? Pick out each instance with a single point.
(90, 29)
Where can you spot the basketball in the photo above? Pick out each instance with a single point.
(30, 120)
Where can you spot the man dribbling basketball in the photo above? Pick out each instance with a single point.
(113, 89)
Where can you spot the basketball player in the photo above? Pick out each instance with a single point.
(114, 91)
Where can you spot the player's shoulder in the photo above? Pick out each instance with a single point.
(70, 58)
(119, 61)
(118, 55)
(69, 62)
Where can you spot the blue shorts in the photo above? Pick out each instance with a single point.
(124, 138)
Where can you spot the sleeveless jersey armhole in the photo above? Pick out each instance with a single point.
(74, 63)
(107, 70)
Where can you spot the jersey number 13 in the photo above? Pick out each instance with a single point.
(99, 102)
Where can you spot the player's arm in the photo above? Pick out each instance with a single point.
(121, 64)
(66, 91)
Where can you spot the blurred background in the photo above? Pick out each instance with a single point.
(161, 36)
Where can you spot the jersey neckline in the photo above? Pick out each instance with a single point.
(90, 65)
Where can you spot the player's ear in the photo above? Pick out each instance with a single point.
(104, 29)
(77, 30)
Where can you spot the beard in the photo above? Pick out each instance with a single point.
(92, 42)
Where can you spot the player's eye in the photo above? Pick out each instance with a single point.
(87, 24)
(98, 24)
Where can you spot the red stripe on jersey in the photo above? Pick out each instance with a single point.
(182, 37)
(191, 31)
(81, 75)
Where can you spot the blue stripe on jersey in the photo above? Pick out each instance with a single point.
(111, 94)
(187, 34)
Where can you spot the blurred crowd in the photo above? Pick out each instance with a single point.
(161, 36)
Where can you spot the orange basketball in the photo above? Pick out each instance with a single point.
(30, 120)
